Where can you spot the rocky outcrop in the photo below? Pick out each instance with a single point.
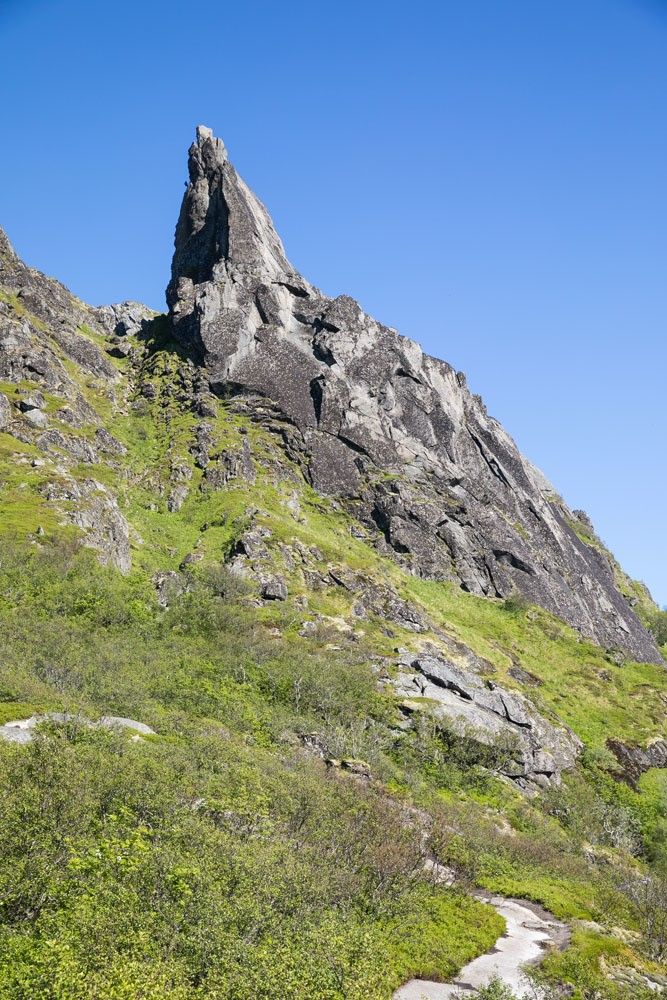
(125, 319)
(48, 342)
(635, 760)
(531, 751)
(40, 322)
(24, 730)
(5, 411)
(92, 507)
(396, 434)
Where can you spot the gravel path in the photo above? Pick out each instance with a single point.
(529, 930)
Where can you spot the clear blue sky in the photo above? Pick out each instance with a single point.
(489, 176)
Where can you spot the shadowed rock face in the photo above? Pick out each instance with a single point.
(393, 432)
(636, 760)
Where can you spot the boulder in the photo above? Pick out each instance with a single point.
(13, 733)
(273, 588)
(32, 401)
(36, 418)
(5, 411)
(23, 730)
(169, 585)
(120, 722)
(537, 752)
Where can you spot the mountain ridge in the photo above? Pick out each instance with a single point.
(364, 400)
(248, 712)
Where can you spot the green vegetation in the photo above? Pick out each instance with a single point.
(218, 859)
(215, 859)
(657, 623)
(203, 867)
(222, 858)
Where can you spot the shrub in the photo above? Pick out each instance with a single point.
(658, 627)
(648, 894)
(516, 603)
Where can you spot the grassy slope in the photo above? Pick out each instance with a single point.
(171, 671)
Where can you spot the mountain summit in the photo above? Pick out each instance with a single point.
(392, 432)
(296, 648)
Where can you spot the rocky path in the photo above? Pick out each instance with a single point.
(529, 930)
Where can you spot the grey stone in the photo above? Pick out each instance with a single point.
(89, 505)
(253, 543)
(314, 743)
(148, 390)
(77, 447)
(69, 416)
(124, 319)
(230, 464)
(5, 411)
(32, 401)
(15, 734)
(23, 730)
(273, 588)
(190, 559)
(120, 348)
(119, 722)
(488, 714)
(378, 599)
(395, 434)
(169, 585)
(634, 760)
(202, 445)
(37, 418)
(108, 444)
(177, 498)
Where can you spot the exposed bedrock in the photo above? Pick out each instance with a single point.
(535, 752)
(395, 433)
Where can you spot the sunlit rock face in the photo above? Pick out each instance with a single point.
(392, 432)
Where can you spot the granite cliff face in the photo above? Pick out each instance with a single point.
(394, 434)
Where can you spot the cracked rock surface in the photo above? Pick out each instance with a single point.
(537, 751)
(394, 433)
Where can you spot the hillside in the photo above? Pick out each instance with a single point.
(287, 617)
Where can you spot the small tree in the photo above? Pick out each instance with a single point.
(658, 627)
(649, 896)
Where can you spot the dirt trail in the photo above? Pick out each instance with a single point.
(529, 930)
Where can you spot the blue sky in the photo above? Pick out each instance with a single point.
(488, 176)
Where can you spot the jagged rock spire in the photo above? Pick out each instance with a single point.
(222, 222)
(6, 248)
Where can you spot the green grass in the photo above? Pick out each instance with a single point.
(282, 873)
(583, 966)
(11, 711)
(229, 700)
(625, 702)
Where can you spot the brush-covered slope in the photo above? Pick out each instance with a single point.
(329, 711)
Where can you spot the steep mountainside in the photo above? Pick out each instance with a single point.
(375, 420)
(335, 628)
